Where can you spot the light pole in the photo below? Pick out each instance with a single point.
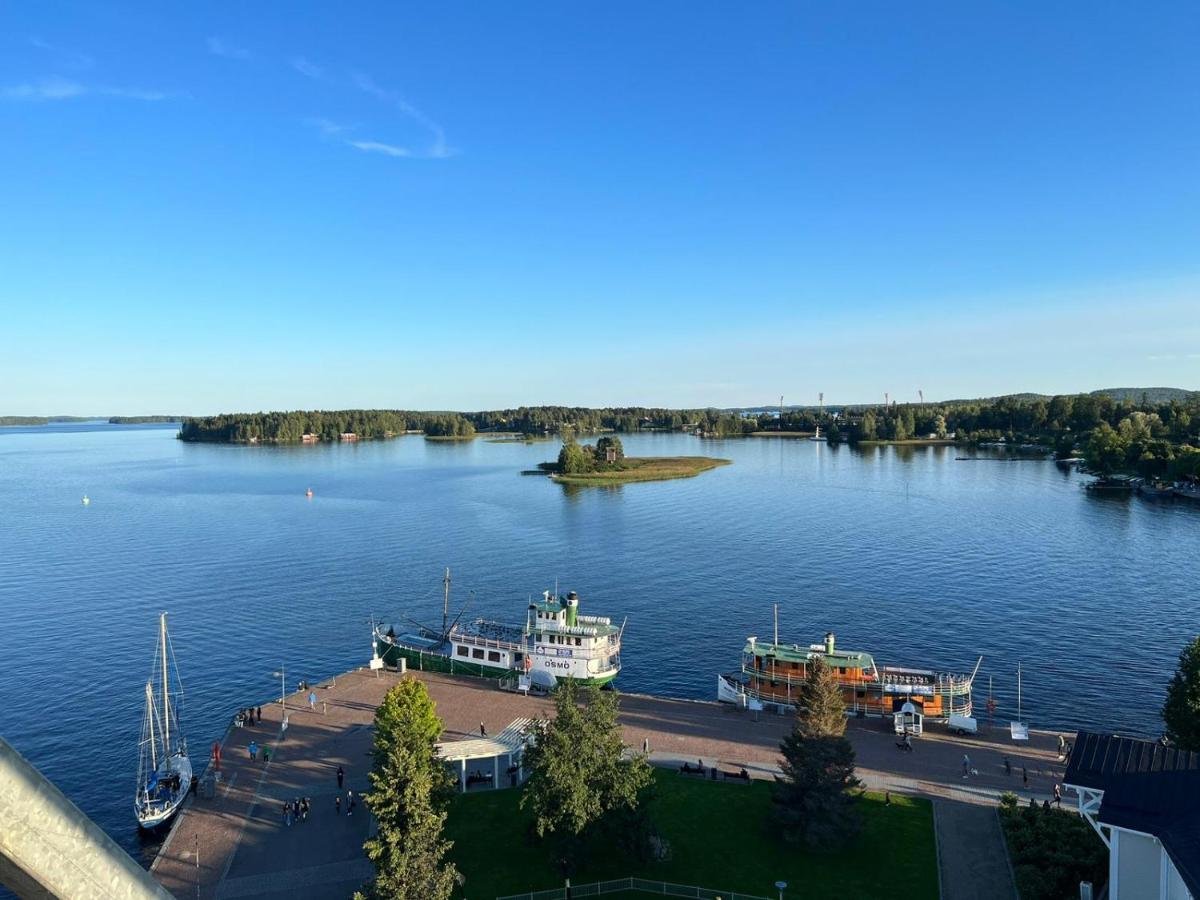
(782, 886)
(282, 673)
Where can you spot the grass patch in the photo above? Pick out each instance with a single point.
(721, 838)
(642, 468)
(1051, 850)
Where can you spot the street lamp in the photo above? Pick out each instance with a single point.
(781, 886)
(282, 676)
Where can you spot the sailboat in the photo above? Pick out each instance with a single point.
(164, 770)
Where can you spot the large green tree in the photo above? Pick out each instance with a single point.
(1105, 450)
(574, 460)
(410, 788)
(1181, 712)
(579, 772)
(813, 803)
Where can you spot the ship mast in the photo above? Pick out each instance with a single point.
(150, 714)
(445, 601)
(166, 689)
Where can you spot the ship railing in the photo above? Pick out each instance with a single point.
(476, 640)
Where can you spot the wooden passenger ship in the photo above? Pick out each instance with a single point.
(771, 674)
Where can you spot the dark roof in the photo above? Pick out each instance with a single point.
(1098, 759)
(1148, 788)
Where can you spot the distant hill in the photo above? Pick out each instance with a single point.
(1153, 394)
(1120, 394)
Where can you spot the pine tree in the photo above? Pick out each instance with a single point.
(577, 773)
(409, 792)
(1181, 712)
(812, 800)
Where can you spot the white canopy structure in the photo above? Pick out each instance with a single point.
(488, 752)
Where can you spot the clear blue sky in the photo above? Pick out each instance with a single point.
(472, 205)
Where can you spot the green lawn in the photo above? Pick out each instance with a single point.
(720, 838)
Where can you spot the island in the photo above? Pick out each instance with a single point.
(606, 463)
(144, 420)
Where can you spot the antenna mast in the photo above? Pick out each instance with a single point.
(776, 624)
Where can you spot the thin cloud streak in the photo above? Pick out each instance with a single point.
(377, 147)
(308, 69)
(328, 128)
(68, 58)
(65, 89)
(220, 47)
(439, 148)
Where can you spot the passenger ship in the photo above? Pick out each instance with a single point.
(554, 643)
(772, 673)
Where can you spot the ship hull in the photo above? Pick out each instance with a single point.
(436, 661)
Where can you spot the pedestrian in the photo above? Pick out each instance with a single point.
(1025, 775)
(1045, 806)
(253, 748)
(1062, 745)
(1007, 766)
(349, 802)
(260, 714)
(482, 730)
(350, 809)
(312, 700)
(287, 813)
(646, 746)
(887, 798)
(966, 765)
(337, 804)
(296, 809)
(341, 774)
(1058, 794)
(304, 805)
(266, 753)
(907, 742)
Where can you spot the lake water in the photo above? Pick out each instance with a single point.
(907, 553)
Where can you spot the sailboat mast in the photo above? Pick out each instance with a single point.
(162, 627)
(445, 601)
(777, 616)
(150, 714)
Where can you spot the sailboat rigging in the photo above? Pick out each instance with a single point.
(164, 769)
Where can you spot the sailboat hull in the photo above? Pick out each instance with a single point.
(161, 799)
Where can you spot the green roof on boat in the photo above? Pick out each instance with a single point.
(847, 659)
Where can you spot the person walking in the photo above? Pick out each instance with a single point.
(337, 804)
(266, 753)
(341, 775)
(260, 714)
(966, 765)
(296, 810)
(253, 748)
(482, 730)
(304, 806)
(1025, 775)
(646, 746)
(287, 814)
(353, 801)
(1007, 766)
(312, 700)
(1058, 794)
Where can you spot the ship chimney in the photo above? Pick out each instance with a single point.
(829, 643)
(572, 608)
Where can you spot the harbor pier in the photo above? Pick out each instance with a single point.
(236, 845)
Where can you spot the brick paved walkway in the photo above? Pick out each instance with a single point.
(244, 850)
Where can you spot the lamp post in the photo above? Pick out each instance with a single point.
(282, 673)
(781, 886)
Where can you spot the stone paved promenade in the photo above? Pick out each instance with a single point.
(237, 846)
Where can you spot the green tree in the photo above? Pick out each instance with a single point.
(577, 770)
(409, 791)
(1181, 712)
(573, 459)
(1105, 450)
(812, 803)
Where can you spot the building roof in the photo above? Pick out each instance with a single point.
(1098, 760)
(510, 740)
(1148, 788)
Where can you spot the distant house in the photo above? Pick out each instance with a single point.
(308, 438)
(348, 436)
(1143, 799)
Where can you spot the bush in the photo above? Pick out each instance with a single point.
(1051, 850)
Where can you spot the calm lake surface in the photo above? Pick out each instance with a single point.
(907, 553)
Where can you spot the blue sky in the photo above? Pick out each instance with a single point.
(476, 205)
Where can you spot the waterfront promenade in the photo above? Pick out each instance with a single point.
(236, 845)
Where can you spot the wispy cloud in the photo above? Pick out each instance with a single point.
(1161, 357)
(307, 69)
(65, 89)
(378, 147)
(221, 47)
(438, 148)
(328, 128)
(67, 58)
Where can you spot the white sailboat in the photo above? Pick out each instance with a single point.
(164, 770)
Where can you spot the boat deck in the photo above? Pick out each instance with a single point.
(236, 846)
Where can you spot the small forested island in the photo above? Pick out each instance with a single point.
(606, 463)
(143, 420)
(42, 420)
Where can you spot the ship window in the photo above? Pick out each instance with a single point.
(517, 657)
(493, 656)
(578, 642)
(477, 653)
(463, 651)
(841, 670)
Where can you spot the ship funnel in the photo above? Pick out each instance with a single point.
(829, 643)
(572, 609)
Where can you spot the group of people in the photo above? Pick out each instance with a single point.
(295, 810)
(248, 716)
